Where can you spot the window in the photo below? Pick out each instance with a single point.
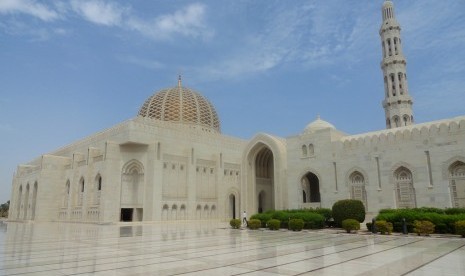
(404, 188)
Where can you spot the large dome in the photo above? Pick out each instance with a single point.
(182, 105)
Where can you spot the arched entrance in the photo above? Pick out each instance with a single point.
(264, 179)
(310, 190)
(132, 191)
(232, 206)
(265, 166)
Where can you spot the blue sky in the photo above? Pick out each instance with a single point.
(71, 68)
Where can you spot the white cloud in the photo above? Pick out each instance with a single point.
(30, 7)
(188, 21)
(304, 35)
(99, 12)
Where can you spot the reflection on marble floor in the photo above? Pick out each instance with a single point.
(212, 248)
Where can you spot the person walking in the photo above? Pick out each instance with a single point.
(244, 218)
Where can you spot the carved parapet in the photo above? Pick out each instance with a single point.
(412, 132)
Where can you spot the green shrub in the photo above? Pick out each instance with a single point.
(423, 227)
(348, 209)
(454, 211)
(263, 217)
(369, 226)
(313, 218)
(442, 228)
(445, 222)
(296, 224)
(235, 223)
(274, 224)
(254, 224)
(383, 227)
(325, 212)
(350, 224)
(460, 228)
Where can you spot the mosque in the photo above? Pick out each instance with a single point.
(171, 162)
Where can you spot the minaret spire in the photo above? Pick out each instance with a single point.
(397, 102)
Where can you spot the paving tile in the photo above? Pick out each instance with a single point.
(212, 248)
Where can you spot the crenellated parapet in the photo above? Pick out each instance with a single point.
(442, 128)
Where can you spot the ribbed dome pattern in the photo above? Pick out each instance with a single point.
(183, 105)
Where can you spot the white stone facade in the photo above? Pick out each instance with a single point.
(171, 162)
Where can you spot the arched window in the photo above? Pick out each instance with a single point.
(357, 187)
(311, 150)
(393, 84)
(404, 188)
(389, 46)
(406, 119)
(26, 201)
(81, 191)
(384, 49)
(304, 150)
(388, 123)
(395, 45)
(396, 121)
(386, 86)
(66, 192)
(34, 200)
(97, 189)
(457, 183)
(401, 89)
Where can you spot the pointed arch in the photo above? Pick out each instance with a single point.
(404, 186)
(264, 160)
(233, 196)
(456, 177)
(133, 166)
(132, 189)
(26, 201)
(447, 165)
(97, 189)
(80, 192)
(34, 200)
(310, 184)
(357, 181)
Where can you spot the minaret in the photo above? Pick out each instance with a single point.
(397, 102)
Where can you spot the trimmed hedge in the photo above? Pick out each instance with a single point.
(263, 217)
(348, 209)
(273, 224)
(444, 222)
(296, 224)
(313, 218)
(254, 224)
(460, 228)
(235, 223)
(350, 224)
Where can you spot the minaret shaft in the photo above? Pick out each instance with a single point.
(397, 102)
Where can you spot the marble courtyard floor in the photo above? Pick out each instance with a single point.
(212, 248)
